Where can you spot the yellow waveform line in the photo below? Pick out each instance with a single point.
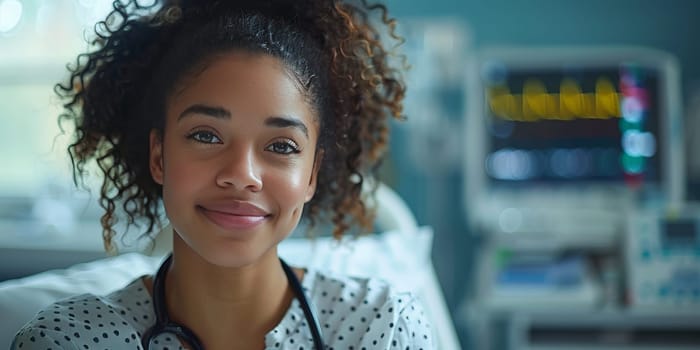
(536, 103)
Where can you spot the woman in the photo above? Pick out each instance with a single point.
(237, 116)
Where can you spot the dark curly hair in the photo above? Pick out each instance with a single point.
(116, 93)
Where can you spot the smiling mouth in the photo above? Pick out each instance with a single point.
(233, 221)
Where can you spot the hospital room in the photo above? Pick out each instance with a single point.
(497, 175)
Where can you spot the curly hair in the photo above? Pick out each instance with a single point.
(116, 93)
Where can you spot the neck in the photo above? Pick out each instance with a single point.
(226, 307)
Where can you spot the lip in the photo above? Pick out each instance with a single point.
(234, 215)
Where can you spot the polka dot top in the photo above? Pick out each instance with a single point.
(353, 313)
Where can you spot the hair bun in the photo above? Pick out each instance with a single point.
(273, 8)
(300, 14)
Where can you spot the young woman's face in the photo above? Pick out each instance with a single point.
(237, 158)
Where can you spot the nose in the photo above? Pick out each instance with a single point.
(239, 169)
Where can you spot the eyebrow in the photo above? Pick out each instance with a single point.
(216, 112)
(288, 122)
(222, 113)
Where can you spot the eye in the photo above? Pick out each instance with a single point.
(283, 147)
(204, 136)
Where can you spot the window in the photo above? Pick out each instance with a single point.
(39, 204)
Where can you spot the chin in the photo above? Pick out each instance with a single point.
(234, 255)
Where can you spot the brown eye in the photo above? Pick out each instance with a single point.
(204, 137)
(283, 147)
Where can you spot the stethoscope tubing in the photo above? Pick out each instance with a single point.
(165, 325)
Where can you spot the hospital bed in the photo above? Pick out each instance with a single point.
(398, 253)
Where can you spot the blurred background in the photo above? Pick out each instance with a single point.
(550, 144)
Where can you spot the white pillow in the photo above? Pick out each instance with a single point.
(401, 258)
(21, 299)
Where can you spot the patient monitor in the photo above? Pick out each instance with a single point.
(565, 141)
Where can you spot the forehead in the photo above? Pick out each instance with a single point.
(247, 84)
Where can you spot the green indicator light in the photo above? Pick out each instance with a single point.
(633, 165)
(626, 125)
(502, 257)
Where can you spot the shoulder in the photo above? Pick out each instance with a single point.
(358, 312)
(90, 320)
(355, 293)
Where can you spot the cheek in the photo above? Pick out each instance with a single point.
(176, 187)
(180, 175)
(290, 187)
(178, 171)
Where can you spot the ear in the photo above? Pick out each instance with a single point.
(314, 176)
(156, 156)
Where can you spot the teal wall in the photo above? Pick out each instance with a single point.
(672, 25)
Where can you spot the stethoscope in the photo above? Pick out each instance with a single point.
(165, 325)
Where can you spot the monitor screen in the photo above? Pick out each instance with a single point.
(571, 124)
(564, 139)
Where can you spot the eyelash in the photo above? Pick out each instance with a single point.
(197, 134)
(291, 146)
